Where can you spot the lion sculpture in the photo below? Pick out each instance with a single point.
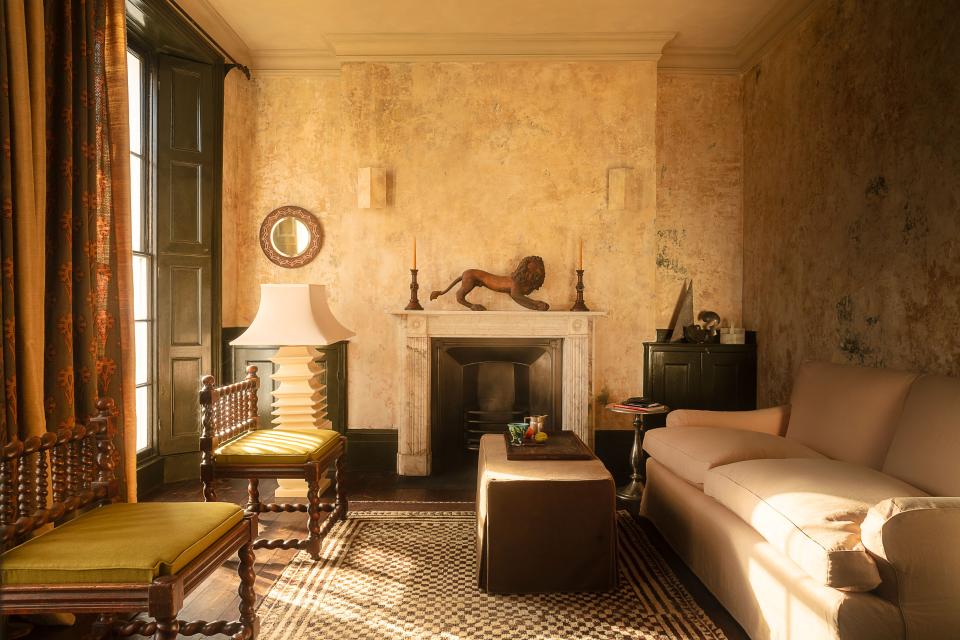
(526, 278)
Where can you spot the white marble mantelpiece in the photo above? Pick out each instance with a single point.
(417, 328)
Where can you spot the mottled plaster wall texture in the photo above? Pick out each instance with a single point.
(487, 163)
(851, 206)
(699, 182)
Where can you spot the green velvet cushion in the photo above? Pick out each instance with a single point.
(120, 543)
(277, 446)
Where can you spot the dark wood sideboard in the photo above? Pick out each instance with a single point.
(721, 377)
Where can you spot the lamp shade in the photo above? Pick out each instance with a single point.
(293, 315)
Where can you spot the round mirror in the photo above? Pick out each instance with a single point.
(291, 236)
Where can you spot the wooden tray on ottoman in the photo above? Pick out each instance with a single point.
(561, 445)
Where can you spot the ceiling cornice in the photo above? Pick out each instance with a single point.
(290, 60)
(734, 60)
(408, 47)
(219, 29)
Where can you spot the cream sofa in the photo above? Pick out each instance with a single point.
(825, 518)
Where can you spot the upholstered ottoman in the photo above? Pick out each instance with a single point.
(544, 526)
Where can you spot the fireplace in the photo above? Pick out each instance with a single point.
(481, 384)
(417, 331)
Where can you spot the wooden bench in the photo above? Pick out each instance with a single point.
(100, 556)
(232, 446)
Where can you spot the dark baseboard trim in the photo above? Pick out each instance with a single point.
(376, 450)
(372, 449)
(149, 476)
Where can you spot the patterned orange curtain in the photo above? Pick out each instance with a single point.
(88, 315)
(22, 189)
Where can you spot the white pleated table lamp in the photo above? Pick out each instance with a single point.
(296, 318)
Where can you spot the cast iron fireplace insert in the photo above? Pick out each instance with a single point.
(481, 384)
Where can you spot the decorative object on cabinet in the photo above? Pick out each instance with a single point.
(296, 317)
(291, 236)
(683, 314)
(525, 279)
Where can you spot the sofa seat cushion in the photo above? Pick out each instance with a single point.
(120, 543)
(811, 510)
(690, 452)
(277, 446)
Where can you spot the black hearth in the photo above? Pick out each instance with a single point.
(481, 384)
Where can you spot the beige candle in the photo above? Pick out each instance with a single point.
(414, 253)
(580, 263)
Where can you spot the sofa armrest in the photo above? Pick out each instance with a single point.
(914, 541)
(772, 420)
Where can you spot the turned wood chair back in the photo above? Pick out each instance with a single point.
(227, 412)
(49, 478)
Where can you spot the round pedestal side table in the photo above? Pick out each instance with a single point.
(631, 493)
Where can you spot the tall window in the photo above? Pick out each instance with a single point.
(143, 252)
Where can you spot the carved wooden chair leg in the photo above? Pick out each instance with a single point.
(102, 628)
(313, 513)
(253, 495)
(340, 505)
(248, 597)
(167, 629)
(206, 479)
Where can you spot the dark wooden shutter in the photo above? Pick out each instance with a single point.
(187, 176)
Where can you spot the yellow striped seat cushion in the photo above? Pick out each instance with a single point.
(120, 543)
(277, 446)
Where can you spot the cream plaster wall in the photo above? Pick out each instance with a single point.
(851, 207)
(239, 113)
(699, 188)
(488, 162)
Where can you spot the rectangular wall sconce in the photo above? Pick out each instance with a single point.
(618, 180)
(372, 188)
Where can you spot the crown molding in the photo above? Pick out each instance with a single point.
(290, 60)
(414, 47)
(213, 23)
(735, 60)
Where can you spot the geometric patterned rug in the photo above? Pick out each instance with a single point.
(392, 575)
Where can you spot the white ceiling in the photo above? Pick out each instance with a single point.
(711, 34)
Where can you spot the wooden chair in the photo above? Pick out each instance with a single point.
(113, 559)
(232, 446)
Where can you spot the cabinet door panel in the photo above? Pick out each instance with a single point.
(673, 378)
(730, 381)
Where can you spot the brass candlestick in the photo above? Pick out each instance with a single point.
(579, 304)
(414, 304)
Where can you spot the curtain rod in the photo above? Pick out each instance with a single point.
(203, 32)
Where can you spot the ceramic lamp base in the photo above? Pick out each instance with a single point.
(299, 400)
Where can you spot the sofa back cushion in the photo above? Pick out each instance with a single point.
(926, 444)
(847, 413)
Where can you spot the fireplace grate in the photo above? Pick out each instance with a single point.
(477, 423)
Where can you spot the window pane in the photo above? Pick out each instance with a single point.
(143, 418)
(141, 288)
(134, 83)
(142, 352)
(136, 203)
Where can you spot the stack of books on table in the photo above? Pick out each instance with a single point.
(639, 405)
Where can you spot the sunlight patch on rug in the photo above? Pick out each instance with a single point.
(400, 575)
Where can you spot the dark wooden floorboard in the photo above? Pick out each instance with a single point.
(217, 597)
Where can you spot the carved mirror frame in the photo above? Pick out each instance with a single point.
(309, 220)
